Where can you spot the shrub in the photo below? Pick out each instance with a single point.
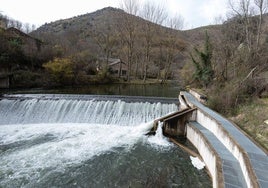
(61, 70)
(25, 78)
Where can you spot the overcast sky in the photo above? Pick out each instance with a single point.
(195, 12)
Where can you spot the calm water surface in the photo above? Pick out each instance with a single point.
(155, 90)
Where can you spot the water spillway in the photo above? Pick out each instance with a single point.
(233, 159)
(25, 109)
(88, 141)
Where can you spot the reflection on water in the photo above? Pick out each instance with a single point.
(156, 90)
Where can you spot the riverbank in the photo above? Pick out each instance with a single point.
(251, 118)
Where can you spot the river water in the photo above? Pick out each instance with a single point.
(153, 90)
(78, 141)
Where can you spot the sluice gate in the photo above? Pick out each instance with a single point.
(175, 124)
(231, 157)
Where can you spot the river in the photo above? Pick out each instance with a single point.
(78, 141)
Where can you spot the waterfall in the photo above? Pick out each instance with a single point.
(34, 111)
(69, 141)
(43, 134)
(159, 140)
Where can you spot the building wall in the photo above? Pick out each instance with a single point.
(120, 69)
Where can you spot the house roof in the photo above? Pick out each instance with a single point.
(113, 61)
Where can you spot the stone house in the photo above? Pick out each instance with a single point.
(117, 67)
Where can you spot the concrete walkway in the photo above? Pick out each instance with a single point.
(233, 175)
(258, 158)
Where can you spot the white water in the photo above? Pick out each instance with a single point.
(69, 144)
(159, 140)
(39, 137)
(77, 111)
(197, 163)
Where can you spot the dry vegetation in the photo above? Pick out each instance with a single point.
(239, 83)
(149, 49)
(252, 119)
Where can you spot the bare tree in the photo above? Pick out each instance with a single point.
(243, 10)
(14, 23)
(218, 20)
(27, 28)
(106, 39)
(127, 30)
(154, 14)
(170, 47)
(246, 10)
(130, 6)
(176, 22)
(262, 6)
(3, 20)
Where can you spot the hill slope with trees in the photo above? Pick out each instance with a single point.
(149, 50)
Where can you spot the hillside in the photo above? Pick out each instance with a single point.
(85, 44)
(20, 58)
(111, 32)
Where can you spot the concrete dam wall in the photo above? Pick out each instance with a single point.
(232, 159)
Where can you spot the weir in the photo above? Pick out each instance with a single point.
(232, 158)
(25, 109)
(67, 141)
(174, 124)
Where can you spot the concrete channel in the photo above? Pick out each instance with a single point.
(231, 157)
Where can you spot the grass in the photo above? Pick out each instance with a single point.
(251, 118)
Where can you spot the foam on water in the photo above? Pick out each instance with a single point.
(38, 137)
(64, 145)
(159, 140)
(197, 163)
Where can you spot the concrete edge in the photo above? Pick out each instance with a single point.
(216, 172)
(200, 97)
(244, 161)
(245, 158)
(249, 137)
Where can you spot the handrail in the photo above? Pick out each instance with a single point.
(175, 114)
(180, 114)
